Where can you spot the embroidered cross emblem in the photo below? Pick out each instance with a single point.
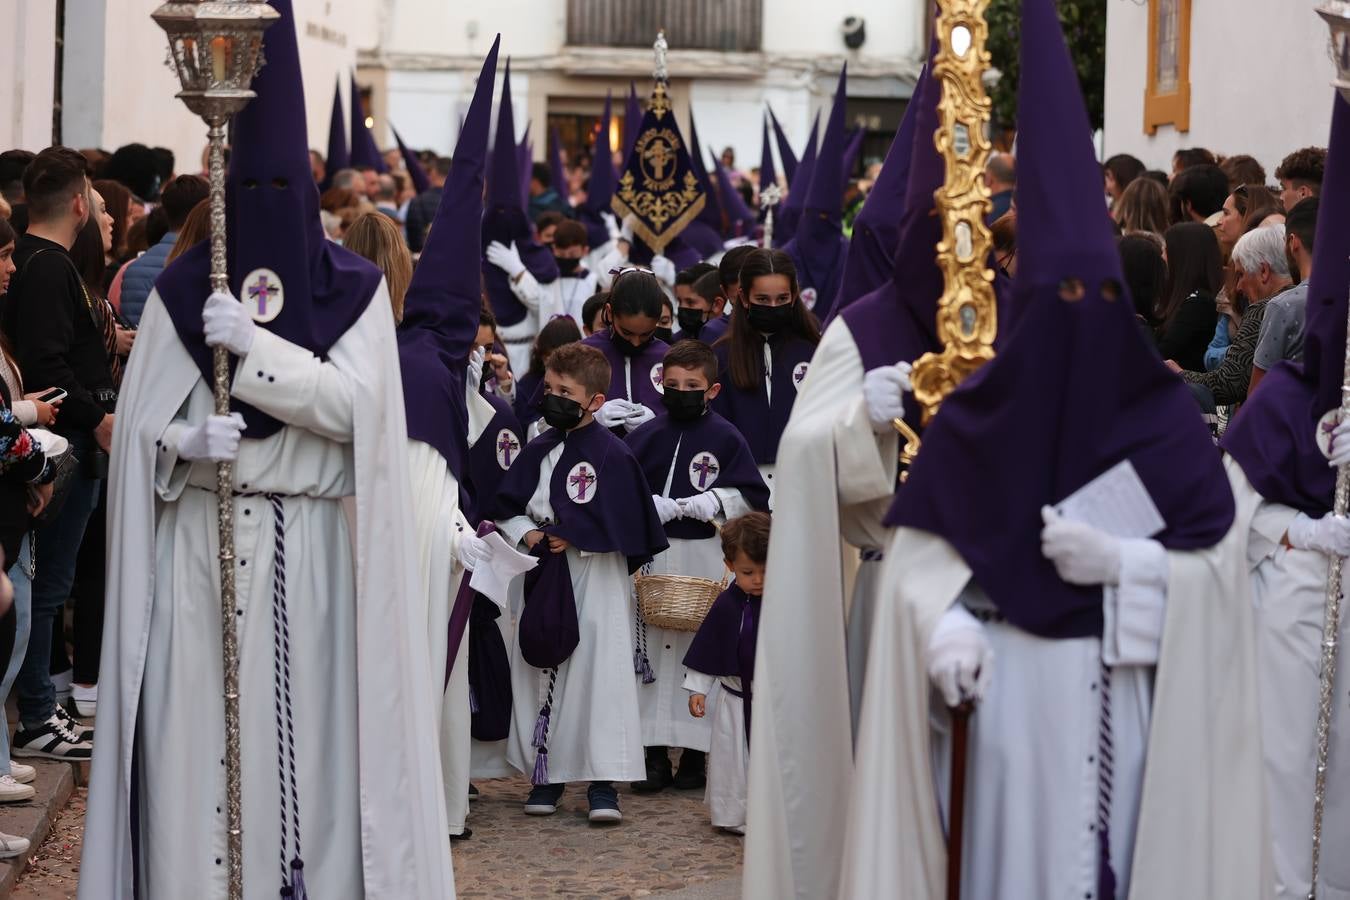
(260, 292)
(507, 445)
(705, 465)
(582, 481)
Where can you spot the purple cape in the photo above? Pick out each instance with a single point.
(1074, 391)
(272, 222)
(493, 456)
(598, 493)
(762, 419)
(712, 453)
(646, 371)
(1272, 438)
(725, 643)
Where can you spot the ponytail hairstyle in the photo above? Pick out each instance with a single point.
(745, 346)
(635, 292)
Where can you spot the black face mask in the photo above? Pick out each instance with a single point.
(561, 413)
(663, 334)
(771, 319)
(567, 267)
(684, 406)
(624, 346)
(691, 321)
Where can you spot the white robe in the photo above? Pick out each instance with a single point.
(729, 757)
(1289, 595)
(837, 479)
(560, 297)
(372, 817)
(595, 730)
(1201, 818)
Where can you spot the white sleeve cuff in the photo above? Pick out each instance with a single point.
(1135, 609)
(515, 529)
(698, 683)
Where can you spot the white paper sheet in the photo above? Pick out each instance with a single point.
(493, 576)
(1116, 502)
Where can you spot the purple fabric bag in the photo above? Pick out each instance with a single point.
(548, 623)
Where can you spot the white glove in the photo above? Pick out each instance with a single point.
(1338, 452)
(959, 659)
(667, 509)
(216, 439)
(1081, 554)
(225, 323)
(614, 413)
(1329, 534)
(505, 258)
(702, 507)
(640, 415)
(471, 550)
(626, 232)
(611, 225)
(883, 391)
(664, 270)
(473, 377)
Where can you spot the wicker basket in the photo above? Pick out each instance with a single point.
(677, 602)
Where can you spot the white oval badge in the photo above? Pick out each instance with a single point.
(264, 295)
(582, 483)
(703, 471)
(658, 376)
(508, 445)
(1325, 426)
(799, 374)
(809, 297)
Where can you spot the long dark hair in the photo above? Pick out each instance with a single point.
(87, 254)
(1145, 272)
(745, 356)
(118, 200)
(1194, 265)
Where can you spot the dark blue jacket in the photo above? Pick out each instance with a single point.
(140, 277)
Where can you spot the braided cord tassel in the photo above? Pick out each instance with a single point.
(292, 871)
(540, 775)
(1106, 877)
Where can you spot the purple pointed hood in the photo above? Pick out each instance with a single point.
(600, 187)
(632, 121)
(556, 171)
(785, 154)
(365, 153)
(767, 174)
(440, 313)
(711, 214)
(1273, 436)
(1074, 391)
(272, 223)
(876, 228)
(826, 192)
(525, 164)
(790, 213)
(421, 181)
(851, 151)
(339, 157)
(740, 218)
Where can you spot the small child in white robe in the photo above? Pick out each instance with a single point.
(723, 652)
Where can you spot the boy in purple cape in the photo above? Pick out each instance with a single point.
(579, 492)
(723, 654)
(701, 470)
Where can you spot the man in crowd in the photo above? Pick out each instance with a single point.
(1000, 175)
(1197, 194)
(386, 196)
(544, 196)
(177, 199)
(1300, 175)
(56, 331)
(422, 208)
(1282, 326)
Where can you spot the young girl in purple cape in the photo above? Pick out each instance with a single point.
(766, 354)
(723, 653)
(632, 317)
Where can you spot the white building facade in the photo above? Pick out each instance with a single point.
(728, 59)
(1234, 76)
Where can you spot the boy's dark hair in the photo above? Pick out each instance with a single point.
(693, 273)
(52, 178)
(137, 167)
(748, 534)
(709, 286)
(551, 217)
(1302, 221)
(558, 332)
(180, 196)
(1304, 168)
(693, 355)
(541, 173)
(586, 365)
(591, 308)
(570, 233)
(729, 269)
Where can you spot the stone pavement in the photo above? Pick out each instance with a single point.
(664, 848)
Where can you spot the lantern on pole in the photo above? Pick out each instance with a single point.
(215, 47)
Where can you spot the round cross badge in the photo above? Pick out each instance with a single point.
(703, 471)
(809, 297)
(507, 447)
(799, 374)
(1325, 426)
(264, 295)
(582, 482)
(658, 374)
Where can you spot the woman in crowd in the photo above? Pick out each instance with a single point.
(1141, 259)
(379, 239)
(119, 202)
(1119, 172)
(1142, 207)
(1233, 222)
(1187, 312)
(25, 488)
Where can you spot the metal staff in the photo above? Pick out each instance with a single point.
(768, 199)
(215, 47)
(1336, 13)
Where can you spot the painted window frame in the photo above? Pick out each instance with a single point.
(1173, 107)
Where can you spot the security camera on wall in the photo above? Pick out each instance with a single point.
(854, 31)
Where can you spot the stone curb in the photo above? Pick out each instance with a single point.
(33, 818)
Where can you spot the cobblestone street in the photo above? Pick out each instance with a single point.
(664, 848)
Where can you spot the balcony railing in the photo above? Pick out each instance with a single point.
(727, 25)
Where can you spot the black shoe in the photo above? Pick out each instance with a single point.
(473, 793)
(53, 739)
(463, 835)
(659, 775)
(692, 775)
(604, 802)
(543, 799)
(73, 722)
